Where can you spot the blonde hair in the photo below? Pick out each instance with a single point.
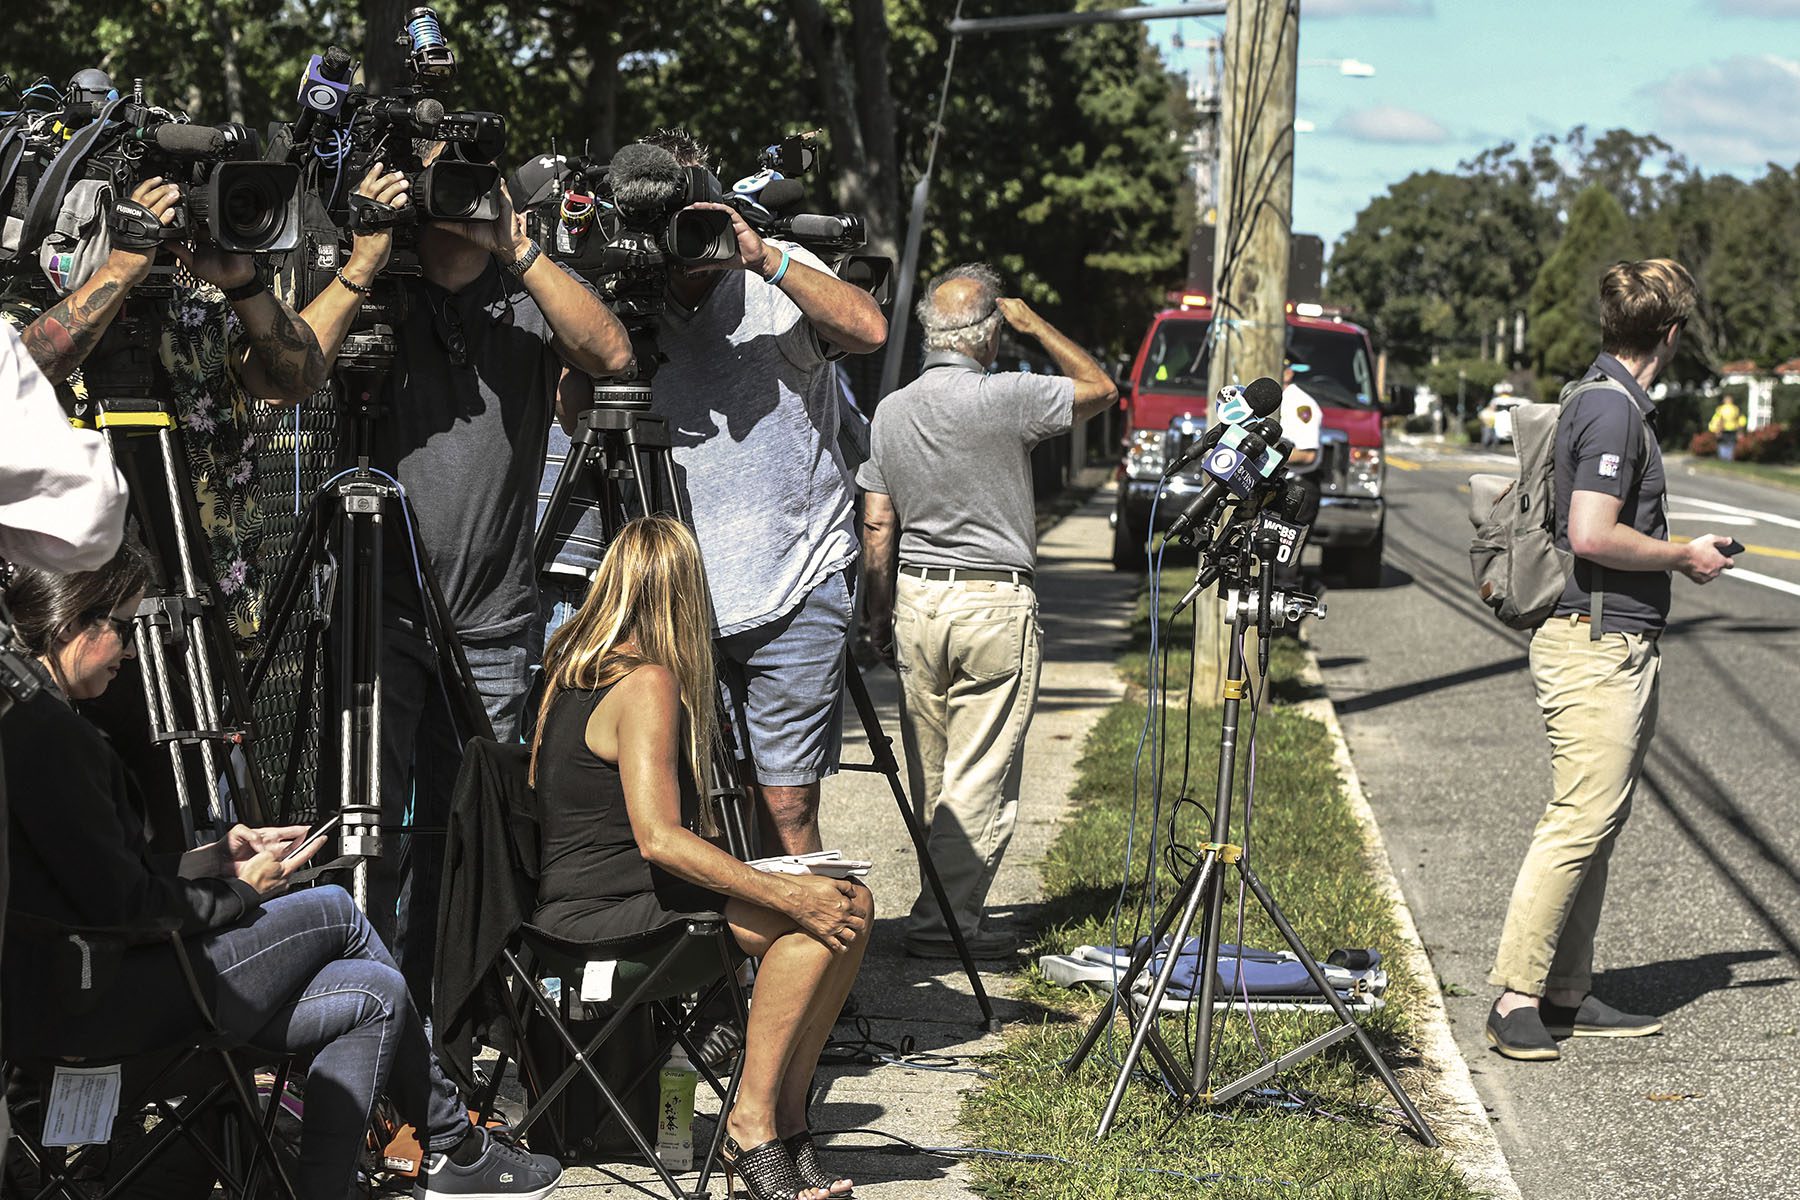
(650, 591)
(1641, 301)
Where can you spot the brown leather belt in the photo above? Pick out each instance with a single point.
(1649, 635)
(969, 574)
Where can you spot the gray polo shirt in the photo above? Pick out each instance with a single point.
(952, 450)
(1606, 443)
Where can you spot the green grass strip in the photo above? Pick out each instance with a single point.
(1334, 1134)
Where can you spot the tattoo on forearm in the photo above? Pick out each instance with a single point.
(68, 331)
(286, 349)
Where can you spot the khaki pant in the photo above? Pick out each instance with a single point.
(969, 653)
(1599, 702)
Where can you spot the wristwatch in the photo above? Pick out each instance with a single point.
(244, 291)
(518, 266)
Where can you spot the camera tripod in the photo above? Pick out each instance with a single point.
(620, 444)
(357, 506)
(1201, 894)
(199, 707)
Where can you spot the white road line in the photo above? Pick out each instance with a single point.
(1712, 518)
(1771, 518)
(1768, 581)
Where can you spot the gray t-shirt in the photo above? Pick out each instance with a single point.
(952, 450)
(467, 443)
(1605, 443)
(751, 402)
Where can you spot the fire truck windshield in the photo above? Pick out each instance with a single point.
(1330, 365)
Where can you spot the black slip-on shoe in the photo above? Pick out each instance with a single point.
(1521, 1034)
(1596, 1018)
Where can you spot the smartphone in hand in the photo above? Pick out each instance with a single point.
(313, 835)
(1730, 549)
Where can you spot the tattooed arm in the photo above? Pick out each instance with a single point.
(69, 330)
(279, 358)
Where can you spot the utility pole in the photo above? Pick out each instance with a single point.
(1254, 231)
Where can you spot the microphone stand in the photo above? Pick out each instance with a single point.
(1232, 557)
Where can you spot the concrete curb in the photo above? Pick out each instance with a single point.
(1457, 1115)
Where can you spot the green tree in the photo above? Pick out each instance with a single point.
(1564, 316)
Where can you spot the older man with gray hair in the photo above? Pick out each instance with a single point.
(948, 486)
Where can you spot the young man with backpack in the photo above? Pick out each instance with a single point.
(1594, 660)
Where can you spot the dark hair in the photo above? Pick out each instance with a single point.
(47, 604)
(689, 151)
(1641, 301)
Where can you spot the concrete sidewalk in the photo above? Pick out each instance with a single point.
(1085, 608)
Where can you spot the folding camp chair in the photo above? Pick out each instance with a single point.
(182, 1086)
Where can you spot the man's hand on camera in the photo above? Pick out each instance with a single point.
(215, 266)
(162, 199)
(504, 237)
(369, 251)
(1018, 314)
(753, 254)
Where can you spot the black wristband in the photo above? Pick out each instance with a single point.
(131, 226)
(358, 288)
(246, 291)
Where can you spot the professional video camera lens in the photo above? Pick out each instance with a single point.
(460, 191)
(701, 236)
(250, 208)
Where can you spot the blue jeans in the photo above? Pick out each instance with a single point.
(305, 973)
(421, 755)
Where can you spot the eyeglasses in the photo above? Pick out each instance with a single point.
(125, 627)
(455, 341)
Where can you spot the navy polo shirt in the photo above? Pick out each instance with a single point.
(1606, 442)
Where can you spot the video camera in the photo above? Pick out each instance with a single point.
(622, 225)
(344, 131)
(57, 139)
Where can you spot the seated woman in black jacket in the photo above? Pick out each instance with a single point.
(300, 972)
(626, 726)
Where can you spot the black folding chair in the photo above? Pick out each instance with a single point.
(182, 1086)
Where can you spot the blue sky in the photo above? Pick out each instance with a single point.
(1718, 79)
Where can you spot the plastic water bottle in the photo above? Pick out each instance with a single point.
(675, 1112)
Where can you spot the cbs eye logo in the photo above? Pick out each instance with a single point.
(1223, 461)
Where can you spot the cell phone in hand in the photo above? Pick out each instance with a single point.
(1730, 549)
(312, 835)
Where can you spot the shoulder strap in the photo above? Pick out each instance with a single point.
(1597, 594)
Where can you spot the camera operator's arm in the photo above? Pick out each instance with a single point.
(841, 313)
(881, 539)
(280, 359)
(588, 336)
(67, 331)
(574, 396)
(334, 309)
(1094, 389)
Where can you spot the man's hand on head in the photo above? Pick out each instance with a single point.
(1018, 314)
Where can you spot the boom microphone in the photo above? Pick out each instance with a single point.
(780, 194)
(187, 141)
(646, 182)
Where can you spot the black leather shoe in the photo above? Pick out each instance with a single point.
(1521, 1034)
(1596, 1018)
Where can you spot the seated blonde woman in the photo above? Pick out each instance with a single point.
(626, 727)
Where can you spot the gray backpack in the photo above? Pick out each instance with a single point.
(1519, 572)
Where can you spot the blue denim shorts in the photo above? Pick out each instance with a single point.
(784, 683)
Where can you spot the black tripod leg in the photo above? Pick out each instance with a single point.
(304, 550)
(882, 748)
(1339, 1007)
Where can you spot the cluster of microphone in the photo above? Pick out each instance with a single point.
(1242, 455)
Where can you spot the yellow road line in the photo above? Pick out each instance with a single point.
(1394, 460)
(1765, 551)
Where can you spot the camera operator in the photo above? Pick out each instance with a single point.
(489, 325)
(217, 348)
(752, 404)
(948, 485)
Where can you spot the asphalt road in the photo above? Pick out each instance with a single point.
(1702, 923)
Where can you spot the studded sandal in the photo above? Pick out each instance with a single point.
(810, 1168)
(767, 1170)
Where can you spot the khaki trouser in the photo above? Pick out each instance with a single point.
(969, 653)
(1599, 702)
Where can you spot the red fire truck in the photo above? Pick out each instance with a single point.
(1165, 409)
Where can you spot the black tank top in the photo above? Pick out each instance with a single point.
(593, 882)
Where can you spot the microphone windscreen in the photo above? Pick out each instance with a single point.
(188, 141)
(646, 181)
(778, 195)
(1264, 396)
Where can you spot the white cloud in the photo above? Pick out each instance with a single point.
(1742, 112)
(1389, 123)
(1391, 8)
(1758, 8)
